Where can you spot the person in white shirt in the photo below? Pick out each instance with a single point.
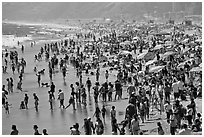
(185, 131)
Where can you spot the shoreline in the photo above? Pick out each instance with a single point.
(11, 41)
(43, 24)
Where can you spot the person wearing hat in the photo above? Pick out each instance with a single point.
(35, 127)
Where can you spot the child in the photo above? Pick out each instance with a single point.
(22, 105)
(6, 106)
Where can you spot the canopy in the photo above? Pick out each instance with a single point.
(196, 69)
(157, 47)
(156, 69)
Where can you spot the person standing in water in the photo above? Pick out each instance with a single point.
(26, 101)
(39, 79)
(36, 102)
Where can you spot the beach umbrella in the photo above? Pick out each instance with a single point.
(150, 62)
(135, 38)
(185, 50)
(127, 42)
(156, 69)
(163, 33)
(124, 52)
(185, 41)
(165, 55)
(169, 42)
(196, 69)
(141, 73)
(200, 65)
(183, 63)
(198, 40)
(123, 36)
(157, 47)
(142, 55)
(190, 32)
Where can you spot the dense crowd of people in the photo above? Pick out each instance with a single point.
(158, 64)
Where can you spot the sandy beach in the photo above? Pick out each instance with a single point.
(58, 121)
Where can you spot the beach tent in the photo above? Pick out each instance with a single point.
(196, 69)
(156, 69)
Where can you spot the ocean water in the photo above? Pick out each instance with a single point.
(18, 30)
(12, 33)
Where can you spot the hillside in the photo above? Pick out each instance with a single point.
(50, 11)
